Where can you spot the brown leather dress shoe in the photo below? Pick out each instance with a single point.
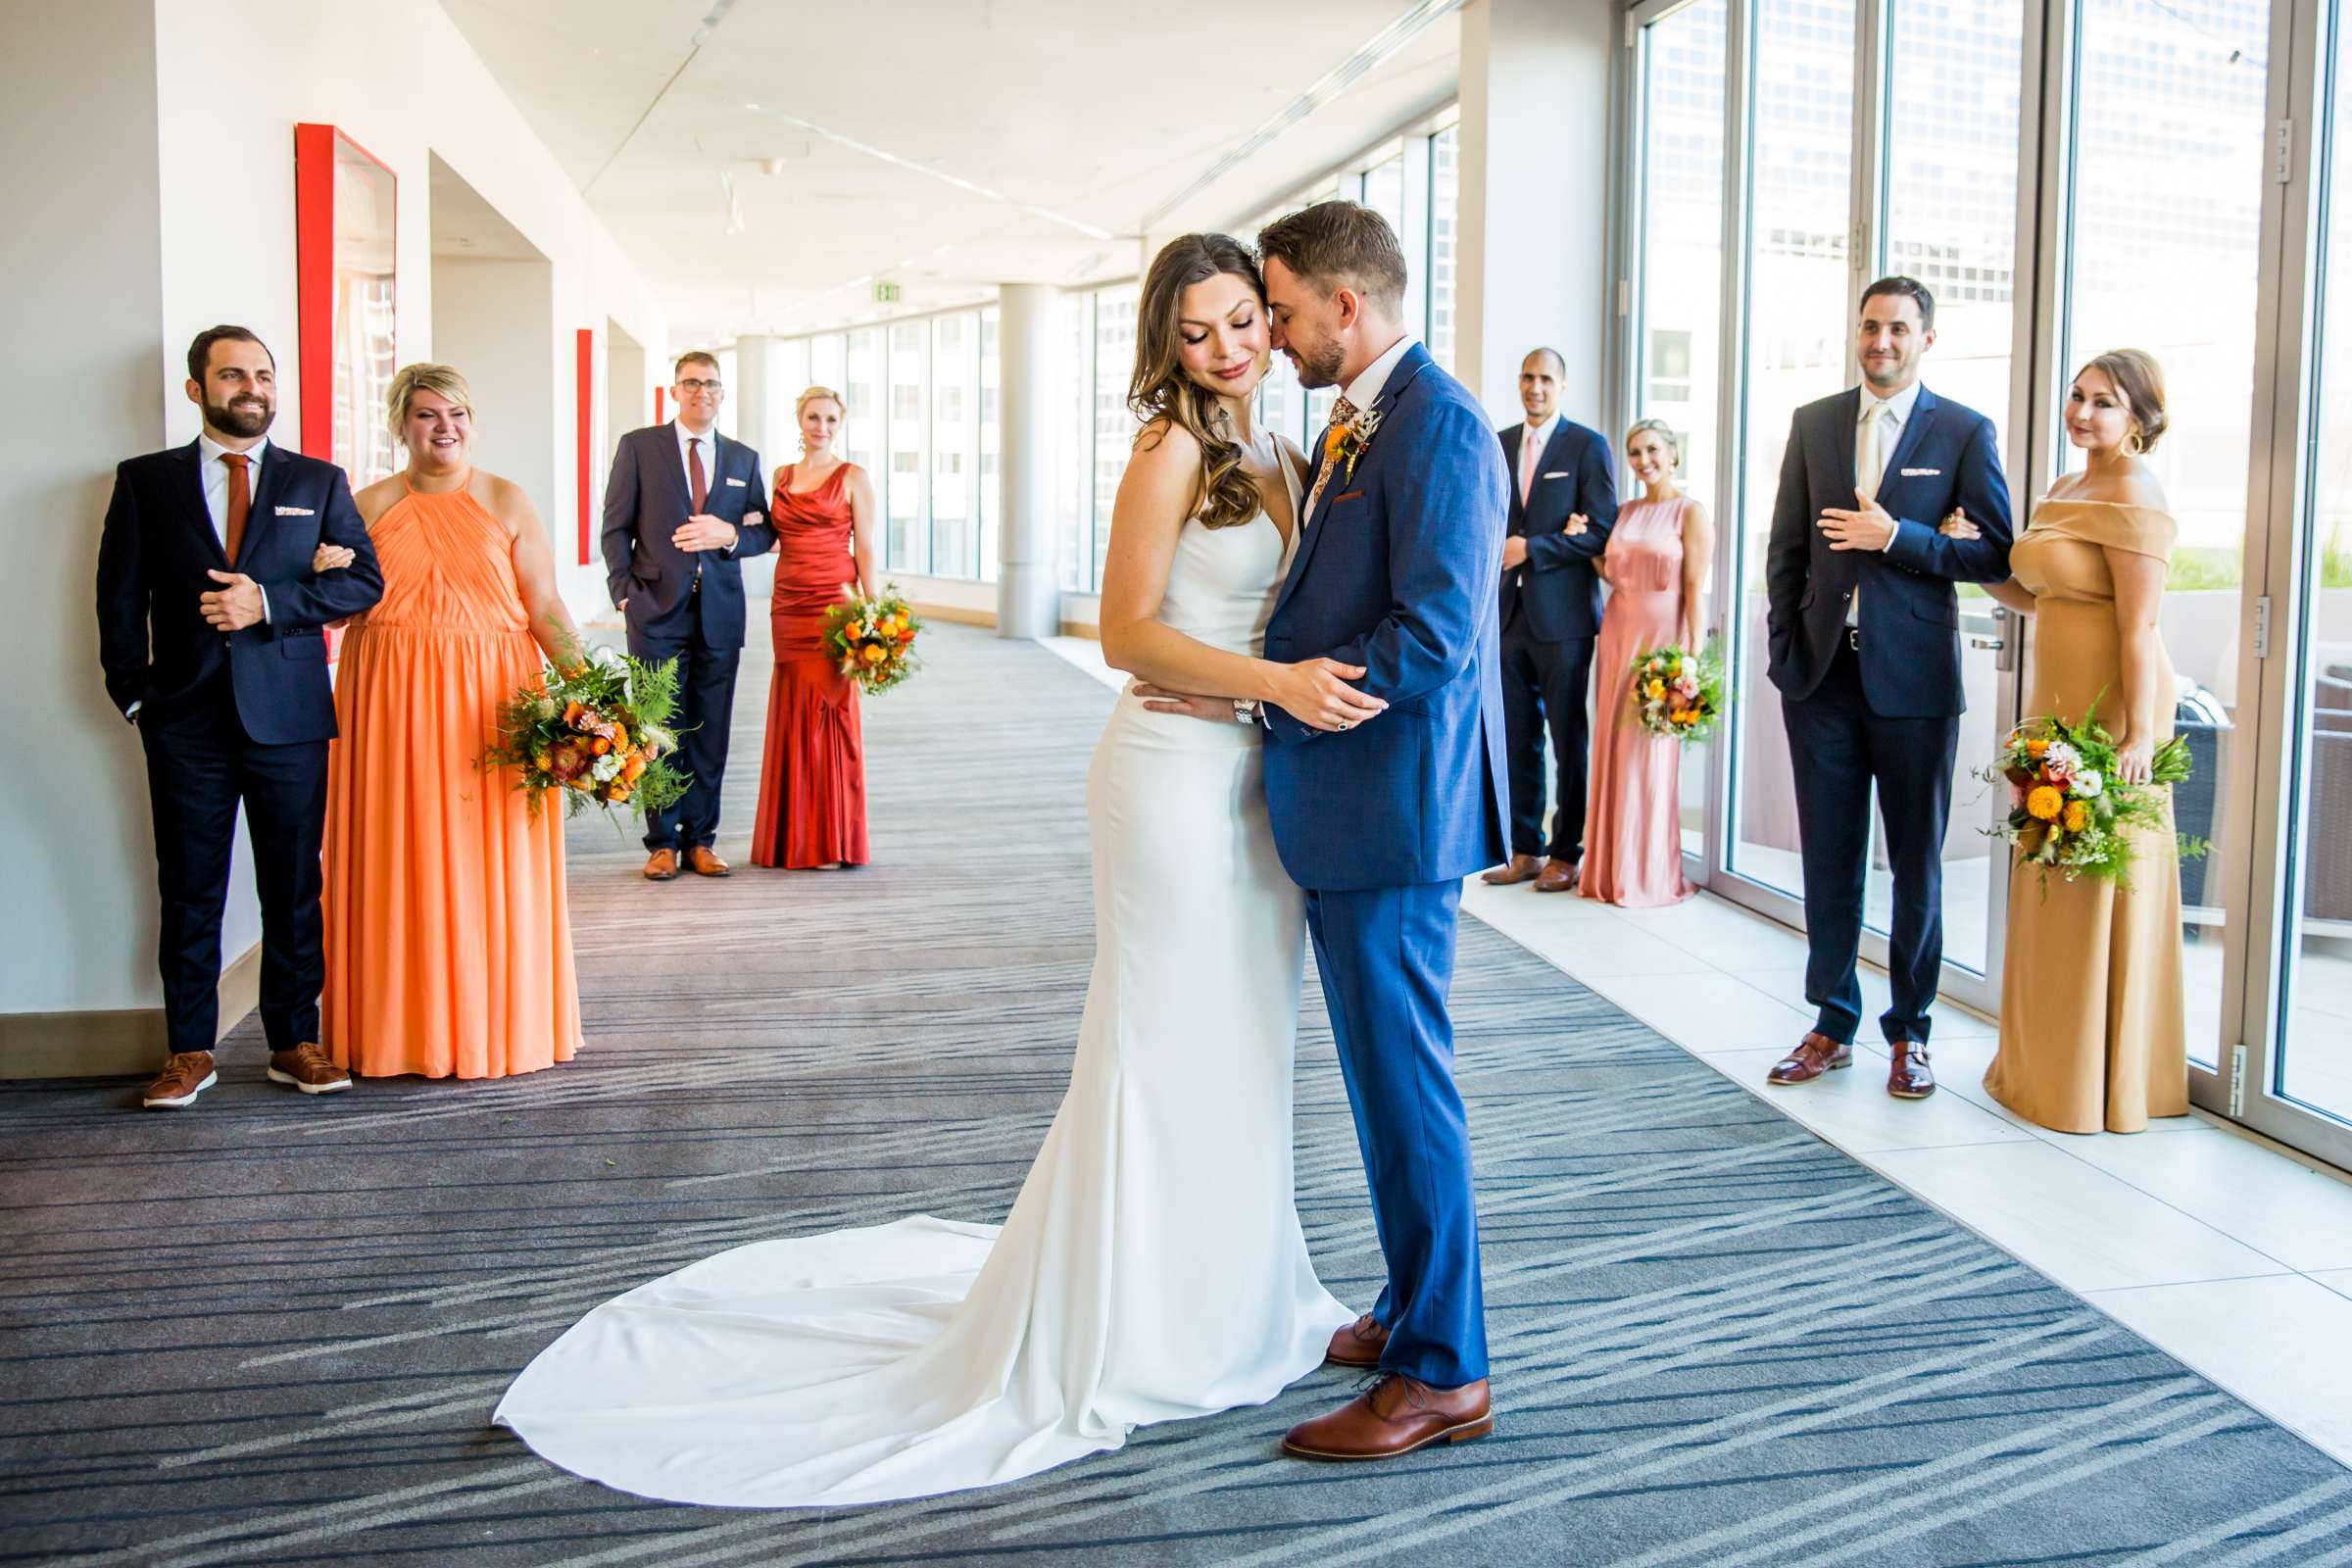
(1522, 869)
(308, 1068)
(1559, 876)
(1908, 1075)
(185, 1075)
(1814, 1055)
(1360, 1343)
(703, 863)
(1394, 1415)
(662, 865)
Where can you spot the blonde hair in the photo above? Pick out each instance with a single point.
(442, 380)
(1674, 443)
(819, 394)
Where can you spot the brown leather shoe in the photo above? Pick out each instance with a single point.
(1394, 1415)
(1814, 1055)
(662, 865)
(1908, 1075)
(1559, 876)
(1522, 869)
(1360, 1343)
(309, 1070)
(185, 1075)
(703, 863)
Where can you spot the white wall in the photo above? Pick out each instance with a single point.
(184, 141)
(1536, 224)
(492, 321)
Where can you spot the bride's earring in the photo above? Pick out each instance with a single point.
(2135, 443)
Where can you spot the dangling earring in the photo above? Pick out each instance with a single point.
(803, 446)
(2135, 443)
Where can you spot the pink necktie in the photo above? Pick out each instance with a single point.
(1528, 457)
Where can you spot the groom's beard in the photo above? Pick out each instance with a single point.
(243, 416)
(1320, 369)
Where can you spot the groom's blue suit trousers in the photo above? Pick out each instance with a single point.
(1386, 955)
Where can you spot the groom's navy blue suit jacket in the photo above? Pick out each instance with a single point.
(1396, 572)
(1909, 617)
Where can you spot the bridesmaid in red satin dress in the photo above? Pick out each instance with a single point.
(813, 774)
(1657, 567)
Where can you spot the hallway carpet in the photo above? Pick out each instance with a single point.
(273, 1329)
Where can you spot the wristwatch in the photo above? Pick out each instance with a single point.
(1245, 711)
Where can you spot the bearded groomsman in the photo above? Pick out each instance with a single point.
(1563, 503)
(211, 628)
(685, 506)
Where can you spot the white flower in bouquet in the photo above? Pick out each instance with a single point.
(657, 741)
(2088, 784)
(606, 768)
(2061, 761)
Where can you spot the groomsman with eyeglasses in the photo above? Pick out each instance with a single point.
(1863, 625)
(684, 507)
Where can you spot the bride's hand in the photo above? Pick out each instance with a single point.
(1957, 526)
(1316, 693)
(2133, 761)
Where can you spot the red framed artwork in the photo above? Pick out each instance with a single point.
(346, 290)
(584, 368)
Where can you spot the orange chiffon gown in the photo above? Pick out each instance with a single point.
(812, 773)
(447, 941)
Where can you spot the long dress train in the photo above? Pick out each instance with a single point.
(1152, 1268)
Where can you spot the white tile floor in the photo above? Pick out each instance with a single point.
(2230, 1255)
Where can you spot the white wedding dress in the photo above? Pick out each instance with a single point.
(1152, 1268)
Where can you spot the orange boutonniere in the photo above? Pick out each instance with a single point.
(1344, 443)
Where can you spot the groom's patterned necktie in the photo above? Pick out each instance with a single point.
(1341, 411)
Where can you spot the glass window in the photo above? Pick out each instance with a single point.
(2315, 1033)
(1444, 219)
(1800, 336)
(2171, 264)
(954, 440)
(906, 542)
(991, 446)
(1384, 191)
(1114, 425)
(853, 363)
(1074, 441)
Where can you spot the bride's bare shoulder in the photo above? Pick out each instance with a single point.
(1166, 439)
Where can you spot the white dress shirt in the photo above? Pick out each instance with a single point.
(216, 492)
(1365, 389)
(1890, 436)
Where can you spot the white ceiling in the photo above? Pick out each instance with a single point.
(1098, 111)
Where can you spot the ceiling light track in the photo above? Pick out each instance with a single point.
(694, 46)
(1377, 51)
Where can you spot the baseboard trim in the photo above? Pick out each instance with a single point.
(956, 613)
(123, 1043)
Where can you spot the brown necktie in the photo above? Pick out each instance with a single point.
(1341, 411)
(694, 468)
(240, 502)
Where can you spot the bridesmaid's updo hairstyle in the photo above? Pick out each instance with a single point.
(818, 394)
(1161, 389)
(1664, 432)
(2140, 379)
(442, 380)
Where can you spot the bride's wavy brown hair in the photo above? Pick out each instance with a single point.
(1161, 390)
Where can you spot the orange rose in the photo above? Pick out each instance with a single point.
(2035, 747)
(876, 655)
(857, 629)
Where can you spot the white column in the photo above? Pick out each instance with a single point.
(1535, 187)
(757, 395)
(1028, 599)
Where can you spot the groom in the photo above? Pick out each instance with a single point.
(1394, 571)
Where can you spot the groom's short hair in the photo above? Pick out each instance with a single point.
(1340, 244)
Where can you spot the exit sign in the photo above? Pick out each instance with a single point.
(886, 293)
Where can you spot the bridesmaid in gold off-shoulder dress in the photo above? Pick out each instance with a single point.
(2093, 1028)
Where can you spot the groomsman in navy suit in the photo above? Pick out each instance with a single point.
(684, 507)
(211, 628)
(1865, 649)
(1563, 504)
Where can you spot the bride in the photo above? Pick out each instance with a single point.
(1152, 1268)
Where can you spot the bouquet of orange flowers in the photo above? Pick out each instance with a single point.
(1677, 692)
(874, 639)
(593, 730)
(2067, 812)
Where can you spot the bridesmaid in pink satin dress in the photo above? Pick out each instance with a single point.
(1656, 567)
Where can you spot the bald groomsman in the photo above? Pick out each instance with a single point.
(1563, 504)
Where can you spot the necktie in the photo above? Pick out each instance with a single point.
(694, 468)
(1528, 457)
(1876, 431)
(1341, 411)
(240, 502)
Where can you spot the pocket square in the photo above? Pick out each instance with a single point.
(1353, 494)
(296, 511)
(1923, 474)
(1560, 474)
(737, 483)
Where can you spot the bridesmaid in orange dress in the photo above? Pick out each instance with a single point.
(1656, 567)
(447, 941)
(812, 773)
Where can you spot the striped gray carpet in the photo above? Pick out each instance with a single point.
(270, 1330)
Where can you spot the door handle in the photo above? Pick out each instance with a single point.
(1993, 643)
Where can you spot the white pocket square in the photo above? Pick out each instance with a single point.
(737, 483)
(296, 511)
(1557, 473)
(1923, 474)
